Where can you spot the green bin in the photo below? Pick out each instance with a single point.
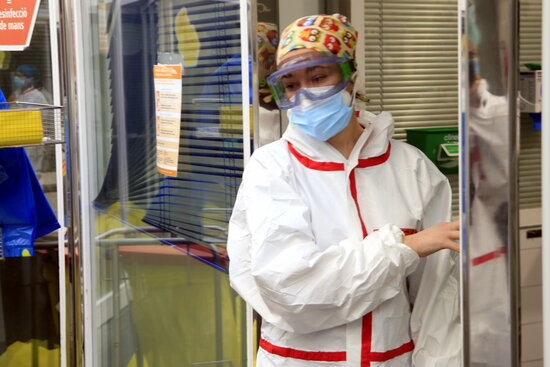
(440, 144)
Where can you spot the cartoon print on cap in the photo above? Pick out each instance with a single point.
(267, 45)
(328, 34)
(267, 58)
(310, 34)
(332, 44)
(349, 40)
(306, 21)
(273, 38)
(287, 39)
(328, 24)
(343, 19)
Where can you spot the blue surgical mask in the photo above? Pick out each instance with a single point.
(18, 82)
(325, 118)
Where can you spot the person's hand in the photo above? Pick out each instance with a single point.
(439, 237)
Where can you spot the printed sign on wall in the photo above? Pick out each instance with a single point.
(17, 18)
(168, 114)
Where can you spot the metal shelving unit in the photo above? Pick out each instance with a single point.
(30, 124)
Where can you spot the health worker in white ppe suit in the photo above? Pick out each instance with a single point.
(339, 237)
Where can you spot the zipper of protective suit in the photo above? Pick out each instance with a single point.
(366, 333)
(367, 356)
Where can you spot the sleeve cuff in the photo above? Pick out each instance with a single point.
(393, 236)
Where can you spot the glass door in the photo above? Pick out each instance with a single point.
(155, 286)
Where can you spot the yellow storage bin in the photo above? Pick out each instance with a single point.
(20, 127)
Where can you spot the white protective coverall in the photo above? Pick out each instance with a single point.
(315, 247)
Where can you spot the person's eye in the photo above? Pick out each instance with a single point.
(319, 78)
(290, 86)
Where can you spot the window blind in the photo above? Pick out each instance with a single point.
(197, 203)
(530, 33)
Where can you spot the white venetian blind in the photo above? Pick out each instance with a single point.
(411, 64)
(530, 140)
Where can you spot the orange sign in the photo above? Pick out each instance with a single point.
(17, 18)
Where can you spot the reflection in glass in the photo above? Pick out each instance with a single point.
(269, 124)
(490, 306)
(196, 204)
(161, 296)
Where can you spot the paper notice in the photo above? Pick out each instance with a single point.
(168, 114)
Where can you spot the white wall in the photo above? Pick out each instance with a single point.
(290, 10)
(531, 289)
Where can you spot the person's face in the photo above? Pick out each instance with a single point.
(19, 80)
(309, 77)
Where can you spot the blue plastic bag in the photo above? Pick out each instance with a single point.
(25, 213)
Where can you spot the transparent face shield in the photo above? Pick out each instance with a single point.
(314, 78)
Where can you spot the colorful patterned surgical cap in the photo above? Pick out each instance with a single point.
(268, 37)
(329, 34)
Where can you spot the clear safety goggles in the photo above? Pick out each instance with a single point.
(303, 77)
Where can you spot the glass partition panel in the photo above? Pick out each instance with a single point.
(160, 291)
(196, 203)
